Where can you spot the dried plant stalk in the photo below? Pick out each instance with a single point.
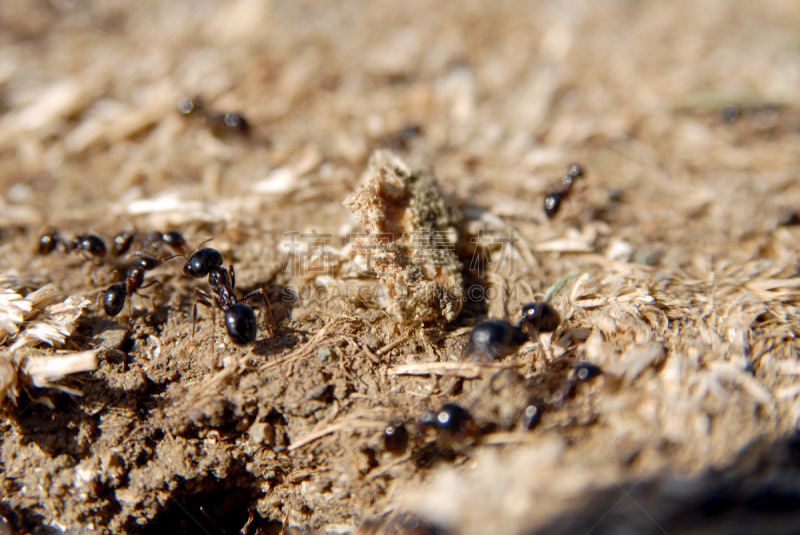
(43, 371)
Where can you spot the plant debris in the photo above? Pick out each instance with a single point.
(44, 316)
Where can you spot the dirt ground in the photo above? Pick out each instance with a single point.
(678, 248)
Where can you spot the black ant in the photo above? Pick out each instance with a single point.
(124, 240)
(240, 320)
(114, 298)
(552, 203)
(91, 246)
(395, 437)
(219, 124)
(494, 339)
(455, 427)
(49, 241)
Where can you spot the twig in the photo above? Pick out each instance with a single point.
(356, 423)
(467, 370)
(385, 349)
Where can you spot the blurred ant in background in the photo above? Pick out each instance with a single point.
(552, 203)
(496, 338)
(92, 247)
(220, 124)
(150, 240)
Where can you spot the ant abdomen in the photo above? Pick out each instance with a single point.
(174, 240)
(240, 322)
(48, 242)
(114, 299)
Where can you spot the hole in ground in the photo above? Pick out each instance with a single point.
(221, 507)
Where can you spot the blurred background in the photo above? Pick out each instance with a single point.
(683, 113)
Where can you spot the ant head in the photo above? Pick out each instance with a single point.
(201, 262)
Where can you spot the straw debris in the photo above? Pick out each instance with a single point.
(44, 316)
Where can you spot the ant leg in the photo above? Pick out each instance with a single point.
(150, 297)
(271, 326)
(151, 283)
(194, 312)
(202, 300)
(233, 277)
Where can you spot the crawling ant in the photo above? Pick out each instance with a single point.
(49, 241)
(219, 124)
(454, 425)
(172, 238)
(114, 298)
(91, 246)
(552, 203)
(497, 338)
(560, 382)
(240, 320)
(395, 437)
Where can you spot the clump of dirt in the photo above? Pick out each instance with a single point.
(410, 241)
